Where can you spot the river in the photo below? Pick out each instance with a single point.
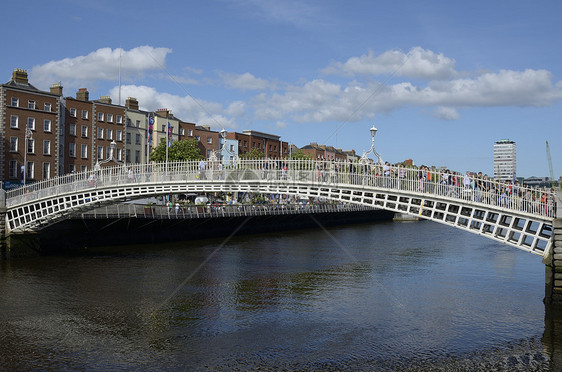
(385, 296)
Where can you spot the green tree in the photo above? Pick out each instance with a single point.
(300, 155)
(253, 154)
(179, 151)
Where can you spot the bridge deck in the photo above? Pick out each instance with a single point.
(514, 215)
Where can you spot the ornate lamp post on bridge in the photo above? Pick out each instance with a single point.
(28, 136)
(373, 131)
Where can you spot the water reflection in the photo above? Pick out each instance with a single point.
(400, 297)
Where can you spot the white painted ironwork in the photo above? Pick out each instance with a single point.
(118, 211)
(509, 213)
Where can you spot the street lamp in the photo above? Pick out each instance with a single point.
(28, 136)
(373, 131)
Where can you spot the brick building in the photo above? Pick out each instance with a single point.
(30, 120)
(208, 140)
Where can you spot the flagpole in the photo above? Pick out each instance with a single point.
(167, 148)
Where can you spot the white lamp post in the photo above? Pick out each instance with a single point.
(373, 131)
(28, 136)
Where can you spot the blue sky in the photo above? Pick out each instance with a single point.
(441, 80)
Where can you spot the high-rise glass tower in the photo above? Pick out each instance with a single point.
(505, 160)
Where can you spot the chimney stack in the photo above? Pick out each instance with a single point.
(83, 95)
(20, 76)
(105, 99)
(131, 103)
(164, 112)
(56, 89)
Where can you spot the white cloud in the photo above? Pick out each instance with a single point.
(417, 63)
(446, 113)
(244, 82)
(185, 108)
(102, 64)
(320, 101)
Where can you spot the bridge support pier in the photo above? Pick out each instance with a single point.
(553, 268)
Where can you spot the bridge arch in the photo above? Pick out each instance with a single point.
(522, 224)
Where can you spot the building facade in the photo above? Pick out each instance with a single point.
(136, 133)
(30, 120)
(208, 140)
(505, 160)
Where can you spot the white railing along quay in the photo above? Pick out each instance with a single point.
(213, 211)
(540, 202)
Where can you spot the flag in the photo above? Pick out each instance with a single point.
(169, 135)
(150, 128)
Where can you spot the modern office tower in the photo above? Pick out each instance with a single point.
(505, 160)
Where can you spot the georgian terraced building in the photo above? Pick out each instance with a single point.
(30, 121)
(48, 134)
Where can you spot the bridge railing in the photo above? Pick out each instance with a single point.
(210, 211)
(321, 173)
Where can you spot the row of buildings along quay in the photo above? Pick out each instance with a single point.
(48, 134)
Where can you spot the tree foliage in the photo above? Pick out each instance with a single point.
(179, 151)
(253, 154)
(300, 155)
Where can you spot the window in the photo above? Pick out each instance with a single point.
(84, 131)
(127, 156)
(164, 128)
(31, 104)
(100, 133)
(118, 135)
(48, 107)
(208, 153)
(100, 116)
(46, 170)
(72, 150)
(84, 114)
(72, 129)
(137, 156)
(15, 101)
(137, 139)
(30, 146)
(119, 154)
(209, 140)
(13, 121)
(190, 132)
(13, 170)
(83, 168)
(84, 151)
(71, 168)
(100, 152)
(231, 148)
(128, 122)
(47, 126)
(137, 123)
(73, 112)
(110, 118)
(198, 138)
(46, 147)
(31, 123)
(109, 134)
(13, 144)
(182, 132)
(119, 119)
(128, 138)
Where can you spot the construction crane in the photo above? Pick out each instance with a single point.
(552, 182)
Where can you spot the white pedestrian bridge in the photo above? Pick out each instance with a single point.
(518, 216)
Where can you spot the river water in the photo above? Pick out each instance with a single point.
(385, 296)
